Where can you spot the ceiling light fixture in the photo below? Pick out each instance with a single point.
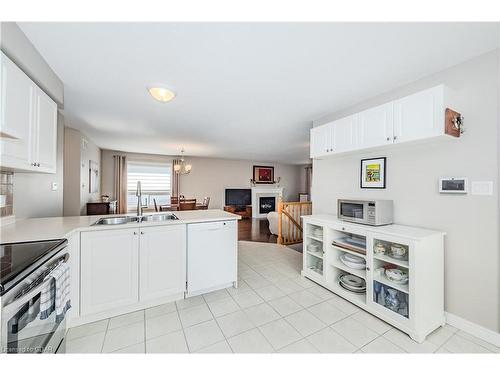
(161, 93)
(180, 165)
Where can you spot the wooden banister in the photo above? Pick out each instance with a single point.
(289, 223)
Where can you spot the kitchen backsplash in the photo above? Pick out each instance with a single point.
(6, 193)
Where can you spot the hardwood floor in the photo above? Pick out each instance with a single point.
(256, 230)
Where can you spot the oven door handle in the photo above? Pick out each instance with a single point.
(14, 305)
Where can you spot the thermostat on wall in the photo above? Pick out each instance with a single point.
(454, 185)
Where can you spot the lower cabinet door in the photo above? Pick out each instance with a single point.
(109, 270)
(212, 255)
(162, 260)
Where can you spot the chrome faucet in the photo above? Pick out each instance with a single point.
(138, 194)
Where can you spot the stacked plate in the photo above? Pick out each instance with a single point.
(353, 261)
(353, 283)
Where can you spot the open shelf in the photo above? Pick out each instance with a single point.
(388, 259)
(349, 251)
(384, 280)
(333, 274)
(340, 243)
(343, 267)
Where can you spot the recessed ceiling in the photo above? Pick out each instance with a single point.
(244, 90)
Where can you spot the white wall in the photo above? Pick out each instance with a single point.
(471, 222)
(210, 176)
(76, 172)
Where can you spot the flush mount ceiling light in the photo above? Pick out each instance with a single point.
(161, 93)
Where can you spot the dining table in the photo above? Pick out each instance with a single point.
(175, 207)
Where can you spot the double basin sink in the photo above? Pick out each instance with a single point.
(134, 219)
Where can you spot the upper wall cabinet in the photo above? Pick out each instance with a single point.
(376, 126)
(420, 115)
(417, 116)
(28, 128)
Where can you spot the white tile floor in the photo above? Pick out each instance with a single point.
(273, 310)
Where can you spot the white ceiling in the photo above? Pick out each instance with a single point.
(244, 91)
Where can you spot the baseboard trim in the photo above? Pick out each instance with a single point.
(474, 329)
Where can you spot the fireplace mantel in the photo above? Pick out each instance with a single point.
(257, 192)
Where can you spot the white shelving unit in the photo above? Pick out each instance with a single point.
(416, 307)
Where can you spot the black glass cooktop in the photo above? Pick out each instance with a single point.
(18, 257)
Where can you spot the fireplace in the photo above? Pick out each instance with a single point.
(267, 204)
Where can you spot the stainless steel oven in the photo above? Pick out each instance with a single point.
(22, 329)
(371, 212)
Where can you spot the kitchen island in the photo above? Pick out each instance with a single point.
(117, 269)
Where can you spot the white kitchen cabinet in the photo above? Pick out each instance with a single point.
(45, 131)
(375, 126)
(344, 134)
(420, 115)
(109, 270)
(320, 140)
(28, 128)
(414, 117)
(212, 252)
(162, 261)
(17, 113)
(334, 137)
(415, 307)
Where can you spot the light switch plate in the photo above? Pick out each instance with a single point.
(54, 186)
(482, 188)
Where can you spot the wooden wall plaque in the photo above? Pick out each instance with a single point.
(450, 118)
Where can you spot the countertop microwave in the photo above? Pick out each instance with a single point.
(371, 212)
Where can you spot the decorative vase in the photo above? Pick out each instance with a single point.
(391, 300)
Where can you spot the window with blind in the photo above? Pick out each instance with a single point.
(156, 183)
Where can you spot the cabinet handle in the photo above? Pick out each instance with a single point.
(368, 268)
(38, 164)
(395, 137)
(135, 233)
(388, 138)
(142, 232)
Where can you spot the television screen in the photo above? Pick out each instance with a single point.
(238, 197)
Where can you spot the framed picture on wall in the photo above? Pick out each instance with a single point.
(263, 175)
(373, 172)
(93, 176)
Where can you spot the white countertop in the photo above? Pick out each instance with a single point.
(415, 233)
(63, 227)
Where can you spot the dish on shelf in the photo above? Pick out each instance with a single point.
(398, 251)
(313, 247)
(397, 276)
(353, 261)
(360, 291)
(379, 249)
(352, 281)
(317, 232)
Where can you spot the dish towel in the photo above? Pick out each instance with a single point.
(56, 295)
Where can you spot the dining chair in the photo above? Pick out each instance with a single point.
(188, 204)
(174, 200)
